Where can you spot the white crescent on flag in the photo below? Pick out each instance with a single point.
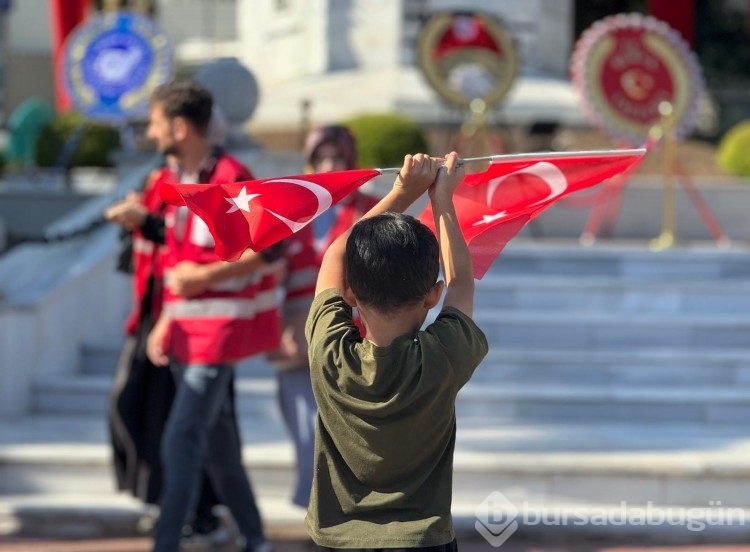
(551, 174)
(324, 197)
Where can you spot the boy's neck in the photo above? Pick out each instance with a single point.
(382, 329)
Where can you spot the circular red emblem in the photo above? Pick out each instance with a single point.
(467, 56)
(625, 65)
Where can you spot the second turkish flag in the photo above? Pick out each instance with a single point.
(493, 206)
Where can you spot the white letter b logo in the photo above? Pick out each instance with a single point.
(496, 519)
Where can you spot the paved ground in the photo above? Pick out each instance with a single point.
(294, 539)
(298, 543)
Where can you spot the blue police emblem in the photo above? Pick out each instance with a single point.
(113, 62)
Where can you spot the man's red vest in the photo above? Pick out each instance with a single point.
(235, 318)
(147, 257)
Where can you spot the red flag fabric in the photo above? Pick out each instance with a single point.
(260, 213)
(493, 206)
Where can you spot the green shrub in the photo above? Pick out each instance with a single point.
(383, 140)
(733, 154)
(94, 145)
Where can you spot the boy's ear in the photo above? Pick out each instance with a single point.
(434, 295)
(348, 296)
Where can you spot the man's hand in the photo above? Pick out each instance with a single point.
(156, 345)
(293, 348)
(188, 279)
(128, 213)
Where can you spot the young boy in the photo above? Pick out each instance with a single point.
(386, 404)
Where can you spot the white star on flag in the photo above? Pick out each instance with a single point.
(242, 201)
(486, 219)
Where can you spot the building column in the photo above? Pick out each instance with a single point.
(64, 16)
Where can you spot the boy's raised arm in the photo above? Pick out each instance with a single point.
(417, 174)
(459, 275)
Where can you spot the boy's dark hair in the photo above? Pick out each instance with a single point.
(185, 99)
(392, 260)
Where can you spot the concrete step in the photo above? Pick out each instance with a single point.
(664, 464)
(101, 359)
(612, 294)
(107, 516)
(668, 367)
(600, 330)
(610, 278)
(602, 403)
(656, 366)
(479, 400)
(650, 366)
(90, 394)
(622, 260)
(56, 478)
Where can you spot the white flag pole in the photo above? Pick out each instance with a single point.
(537, 155)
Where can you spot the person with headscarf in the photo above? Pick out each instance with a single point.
(329, 148)
(333, 148)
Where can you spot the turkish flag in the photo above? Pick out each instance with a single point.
(493, 206)
(260, 213)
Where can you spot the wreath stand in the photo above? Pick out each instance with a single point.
(475, 134)
(607, 202)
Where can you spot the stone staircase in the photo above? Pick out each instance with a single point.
(615, 374)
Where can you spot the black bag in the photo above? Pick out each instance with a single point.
(125, 254)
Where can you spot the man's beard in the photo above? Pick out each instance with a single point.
(170, 149)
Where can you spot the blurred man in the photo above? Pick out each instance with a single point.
(215, 314)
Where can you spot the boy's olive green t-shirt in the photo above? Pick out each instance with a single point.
(386, 428)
